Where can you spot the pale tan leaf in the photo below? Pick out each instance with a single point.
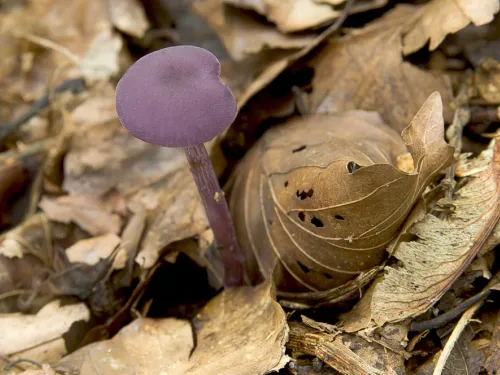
(297, 15)
(72, 38)
(365, 70)
(291, 15)
(327, 194)
(128, 16)
(241, 323)
(101, 60)
(443, 250)
(487, 79)
(179, 215)
(332, 2)
(435, 20)
(84, 210)
(241, 331)
(242, 34)
(92, 250)
(20, 332)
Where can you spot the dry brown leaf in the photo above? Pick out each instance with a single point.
(243, 35)
(435, 20)
(57, 40)
(179, 214)
(365, 70)
(128, 16)
(487, 79)
(448, 245)
(92, 250)
(326, 192)
(21, 332)
(242, 331)
(84, 210)
(299, 15)
(291, 15)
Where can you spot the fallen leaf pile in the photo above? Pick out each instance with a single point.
(362, 173)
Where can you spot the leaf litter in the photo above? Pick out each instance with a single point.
(90, 214)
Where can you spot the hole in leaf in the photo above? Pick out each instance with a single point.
(286, 183)
(328, 276)
(304, 194)
(304, 268)
(339, 217)
(300, 148)
(352, 167)
(317, 222)
(302, 216)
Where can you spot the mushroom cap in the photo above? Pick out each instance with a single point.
(174, 97)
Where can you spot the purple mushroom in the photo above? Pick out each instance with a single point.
(174, 97)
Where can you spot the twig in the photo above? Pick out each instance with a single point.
(449, 315)
(20, 360)
(331, 351)
(457, 331)
(76, 86)
(47, 43)
(27, 151)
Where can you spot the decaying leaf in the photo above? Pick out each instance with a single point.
(178, 215)
(241, 331)
(91, 250)
(296, 15)
(22, 332)
(353, 73)
(86, 211)
(299, 15)
(74, 38)
(487, 79)
(327, 194)
(243, 35)
(435, 20)
(128, 16)
(444, 249)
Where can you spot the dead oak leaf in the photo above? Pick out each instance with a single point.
(242, 34)
(291, 15)
(443, 250)
(179, 214)
(21, 332)
(128, 16)
(365, 70)
(84, 210)
(92, 250)
(435, 20)
(241, 331)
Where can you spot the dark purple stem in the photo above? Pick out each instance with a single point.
(218, 214)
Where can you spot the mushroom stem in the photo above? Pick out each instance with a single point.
(217, 213)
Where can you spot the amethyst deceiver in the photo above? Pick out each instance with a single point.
(174, 97)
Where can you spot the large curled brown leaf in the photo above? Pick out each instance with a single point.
(323, 196)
